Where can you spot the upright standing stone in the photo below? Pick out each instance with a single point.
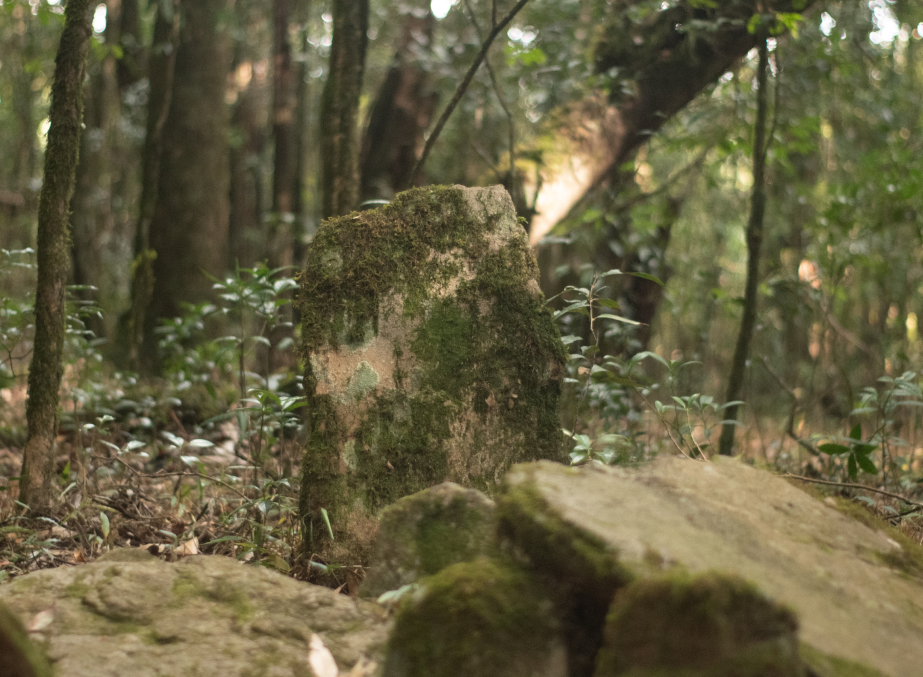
(429, 355)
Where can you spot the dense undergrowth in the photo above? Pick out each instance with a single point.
(206, 458)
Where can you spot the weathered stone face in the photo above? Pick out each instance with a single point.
(429, 354)
(129, 613)
(636, 535)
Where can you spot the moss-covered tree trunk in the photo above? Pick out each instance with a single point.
(340, 108)
(36, 484)
(162, 63)
(754, 243)
(189, 228)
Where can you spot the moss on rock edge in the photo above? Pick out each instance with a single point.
(484, 618)
(706, 625)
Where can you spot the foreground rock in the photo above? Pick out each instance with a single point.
(129, 613)
(677, 568)
(856, 592)
(19, 656)
(430, 356)
(422, 534)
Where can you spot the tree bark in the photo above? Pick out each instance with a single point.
(340, 108)
(284, 107)
(400, 115)
(665, 66)
(36, 483)
(162, 64)
(754, 242)
(92, 217)
(189, 228)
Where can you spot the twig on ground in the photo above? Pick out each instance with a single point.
(796, 402)
(138, 473)
(850, 485)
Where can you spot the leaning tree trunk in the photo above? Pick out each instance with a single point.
(340, 108)
(36, 486)
(189, 227)
(400, 115)
(754, 242)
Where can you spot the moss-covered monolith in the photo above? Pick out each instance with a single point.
(429, 356)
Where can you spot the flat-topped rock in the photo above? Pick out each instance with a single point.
(129, 613)
(856, 592)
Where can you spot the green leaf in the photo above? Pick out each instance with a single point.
(326, 518)
(867, 465)
(856, 432)
(608, 303)
(647, 353)
(104, 520)
(834, 449)
(852, 467)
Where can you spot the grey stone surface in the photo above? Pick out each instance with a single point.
(857, 593)
(129, 613)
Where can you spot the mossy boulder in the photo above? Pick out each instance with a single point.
(19, 655)
(129, 613)
(422, 534)
(709, 625)
(486, 618)
(856, 589)
(429, 355)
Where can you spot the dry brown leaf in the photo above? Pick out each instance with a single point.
(41, 620)
(190, 547)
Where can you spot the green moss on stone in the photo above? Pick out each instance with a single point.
(187, 585)
(424, 533)
(908, 558)
(476, 619)
(562, 550)
(580, 571)
(824, 665)
(489, 344)
(19, 657)
(708, 625)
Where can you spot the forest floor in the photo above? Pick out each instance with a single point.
(178, 488)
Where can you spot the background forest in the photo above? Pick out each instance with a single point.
(633, 136)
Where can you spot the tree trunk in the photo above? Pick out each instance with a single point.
(162, 63)
(189, 228)
(36, 483)
(754, 242)
(400, 115)
(92, 218)
(340, 108)
(284, 107)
